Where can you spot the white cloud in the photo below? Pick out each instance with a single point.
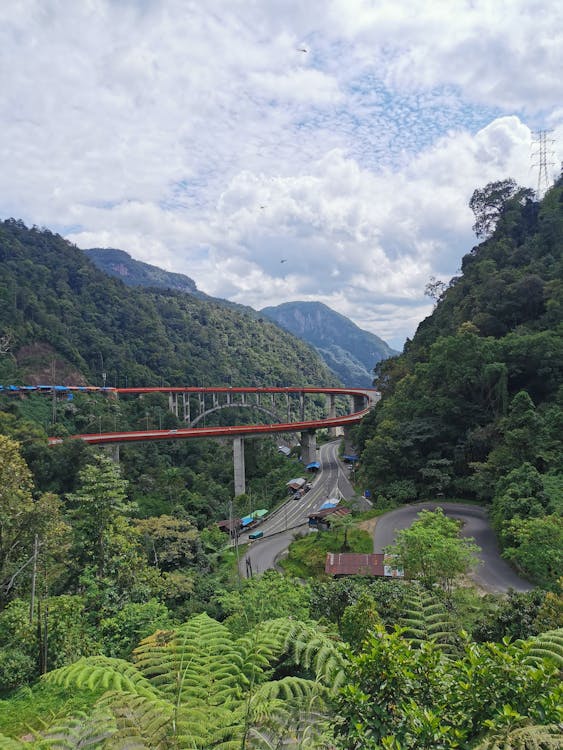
(202, 138)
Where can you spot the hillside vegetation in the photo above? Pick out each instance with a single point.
(56, 305)
(123, 622)
(473, 407)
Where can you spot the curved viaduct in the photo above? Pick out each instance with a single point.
(362, 400)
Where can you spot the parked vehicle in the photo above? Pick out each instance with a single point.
(256, 535)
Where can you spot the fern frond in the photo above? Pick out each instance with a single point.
(426, 618)
(527, 738)
(80, 732)
(102, 672)
(139, 719)
(197, 662)
(290, 690)
(548, 645)
(6, 743)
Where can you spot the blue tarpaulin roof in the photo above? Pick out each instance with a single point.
(246, 520)
(329, 504)
(351, 458)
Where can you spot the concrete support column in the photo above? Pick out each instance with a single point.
(332, 413)
(112, 450)
(349, 448)
(288, 403)
(308, 446)
(186, 407)
(173, 403)
(238, 461)
(302, 406)
(359, 403)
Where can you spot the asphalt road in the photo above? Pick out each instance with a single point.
(283, 524)
(493, 573)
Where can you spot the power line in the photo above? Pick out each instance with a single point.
(543, 155)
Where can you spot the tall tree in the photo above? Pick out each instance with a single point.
(432, 551)
(16, 509)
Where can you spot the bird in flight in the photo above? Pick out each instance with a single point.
(302, 49)
(283, 260)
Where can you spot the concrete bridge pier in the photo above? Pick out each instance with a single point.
(359, 403)
(112, 450)
(173, 403)
(308, 446)
(349, 447)
(238, 461)
(332, 413)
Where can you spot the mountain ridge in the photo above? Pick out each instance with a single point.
(349, 351)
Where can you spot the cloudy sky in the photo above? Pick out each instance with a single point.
(277, 150)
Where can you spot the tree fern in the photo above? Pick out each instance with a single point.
(527, 738)
(81, 732)
(198, 687)
(426, 618)
(548, 645)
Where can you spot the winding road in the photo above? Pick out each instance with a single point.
(291, 518)
(493, 573)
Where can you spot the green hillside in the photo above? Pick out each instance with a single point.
(56, 306)
(473, 406)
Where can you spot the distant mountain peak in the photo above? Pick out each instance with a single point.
(349, 351)
(121, 265)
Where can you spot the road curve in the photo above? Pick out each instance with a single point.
(291, 518)
(493, 573)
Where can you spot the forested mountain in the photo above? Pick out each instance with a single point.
(133, 272)
(96, 556)
(473, 407)
(58, 310)
(350, 352)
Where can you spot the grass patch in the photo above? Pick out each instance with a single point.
(307, 555)
(32, 709)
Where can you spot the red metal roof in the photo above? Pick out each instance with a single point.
(352, 563)
(336, 511)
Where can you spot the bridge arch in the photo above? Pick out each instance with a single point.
(257, 407)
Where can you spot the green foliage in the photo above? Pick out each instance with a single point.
(196, 686)
(536, 545)
(398, 696)
(307, 555)
(429, 617)
(358, 619)
(331, 598)
(514, 615)
(265, 597)
(53, 294)
(548, 645)
(473, 405)
(30, 709)
(489, 203)
(432, 551)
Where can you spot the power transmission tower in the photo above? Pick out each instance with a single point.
(543, 155)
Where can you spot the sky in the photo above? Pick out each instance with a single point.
(278, 150)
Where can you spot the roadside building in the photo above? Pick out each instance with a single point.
(355, 564)
(321, 519)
